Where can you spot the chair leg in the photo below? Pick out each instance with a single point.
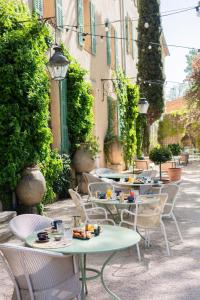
(165, 236)
(177, 227)
(138, 251)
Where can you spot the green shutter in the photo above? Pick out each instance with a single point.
(133, 41)
(127, 34)
(63, 117)
(93, 29)
(80, 18)
(59, 14)
(108, 46)
(116, 51)
(38, 7)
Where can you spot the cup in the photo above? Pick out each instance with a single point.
(108, 193)
(68, 233)
(60, 228)
(42, 236)
(55, 223)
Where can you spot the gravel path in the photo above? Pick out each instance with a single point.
(158, 276)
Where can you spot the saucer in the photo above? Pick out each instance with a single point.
(42, 241)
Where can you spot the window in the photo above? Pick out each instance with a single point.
(86, 17)
(54, 9)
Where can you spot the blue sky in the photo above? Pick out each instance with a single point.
(180, 29)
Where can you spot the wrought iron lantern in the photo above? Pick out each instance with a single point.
(58, 64)
(143, 106)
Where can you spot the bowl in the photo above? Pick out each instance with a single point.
(57, 238)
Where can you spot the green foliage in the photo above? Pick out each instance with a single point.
(62, 183)
(150, 67)
(80, 117)
(172, 125)
(141, 123)
(175, 149)
(25, 137)
(160, 155)
(51, 169)
(128, 97)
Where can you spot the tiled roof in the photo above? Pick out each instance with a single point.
(176, 104)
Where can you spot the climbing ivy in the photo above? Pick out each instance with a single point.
(128, 97)
(25, 138)
(80, 116)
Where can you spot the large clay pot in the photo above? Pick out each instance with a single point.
(83, 161)
(115, 153)
(31, 188)
(174, 174)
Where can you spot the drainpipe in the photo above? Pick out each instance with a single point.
(123, 41)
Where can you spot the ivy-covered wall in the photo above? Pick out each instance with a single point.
(128, 97)
(25, 138)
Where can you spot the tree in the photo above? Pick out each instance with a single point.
(150, 67)
(189, 60)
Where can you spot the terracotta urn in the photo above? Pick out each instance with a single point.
(83, 162)
(115, 153)
(174, 174)
(32, 187)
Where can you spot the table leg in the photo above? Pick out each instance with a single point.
(82, 262)
(115, 297)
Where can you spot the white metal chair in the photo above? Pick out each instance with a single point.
(172, 191)
(95, 187)
(147, 216)
(41, 275)
(91, 214)
(23, 225)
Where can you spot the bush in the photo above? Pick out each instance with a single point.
(175, 149)
(64, 180)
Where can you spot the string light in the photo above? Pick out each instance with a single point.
(106, 26)
(146, 25)
(137, 41)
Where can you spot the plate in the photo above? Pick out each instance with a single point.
(42, 241)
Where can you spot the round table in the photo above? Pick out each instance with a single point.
(112, 239)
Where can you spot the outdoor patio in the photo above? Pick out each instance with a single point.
(157, 276)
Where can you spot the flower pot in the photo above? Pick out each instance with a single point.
(31, 188)
(115, 156)
(174, 174)
(83, 162)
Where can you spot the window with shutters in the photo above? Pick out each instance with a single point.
(114, 49)
(63, 116)
(129, 30)
(38, 7)
(86, 17)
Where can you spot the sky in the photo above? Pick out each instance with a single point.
(179, 29)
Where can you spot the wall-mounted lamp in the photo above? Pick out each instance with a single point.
(58, 64)
(143, 106)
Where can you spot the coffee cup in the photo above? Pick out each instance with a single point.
(42, 236)
(55, 223)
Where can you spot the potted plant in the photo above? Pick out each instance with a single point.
(160, 155)
(85, 155)
(174, 172)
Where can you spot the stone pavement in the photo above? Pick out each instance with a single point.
(157, 276)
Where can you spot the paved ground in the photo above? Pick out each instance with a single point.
(157, 276)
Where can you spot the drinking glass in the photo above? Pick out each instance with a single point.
(68, 233)
(60, 229)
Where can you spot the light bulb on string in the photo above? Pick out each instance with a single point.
(149, 47)
(106, 26)
(101, 38)
(146, 25)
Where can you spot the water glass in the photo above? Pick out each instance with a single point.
(60, 229)
(68, 233)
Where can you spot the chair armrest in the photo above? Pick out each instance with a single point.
(97, 209)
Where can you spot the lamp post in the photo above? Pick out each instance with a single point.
(58, 65)
(143, 106)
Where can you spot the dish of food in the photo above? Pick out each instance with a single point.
(80, 234)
